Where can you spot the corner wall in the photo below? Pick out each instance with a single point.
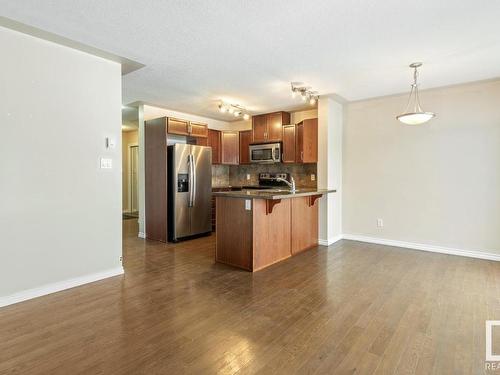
(436, 184)
(330, 153)
(60, 217)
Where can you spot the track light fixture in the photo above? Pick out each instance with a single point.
(235, 109)
(305, 92)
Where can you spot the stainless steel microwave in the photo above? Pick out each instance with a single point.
(265, 153)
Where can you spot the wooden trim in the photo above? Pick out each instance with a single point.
(270, 203)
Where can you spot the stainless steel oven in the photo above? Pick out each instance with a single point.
(265, 153)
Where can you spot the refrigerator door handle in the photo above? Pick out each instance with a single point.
(191, 180)
(193, 189)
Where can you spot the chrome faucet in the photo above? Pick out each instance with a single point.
(290, 184)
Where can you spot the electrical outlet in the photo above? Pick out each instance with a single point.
(121, 258)
(248, 176)
(313, 177)
(380, 223)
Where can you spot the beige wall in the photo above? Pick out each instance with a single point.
(436, 184)
(128, 138)
(298, 116)
(60, 217)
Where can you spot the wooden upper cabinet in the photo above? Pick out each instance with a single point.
(268, 127)
(259, 128)
(275, 122)
(230, 147)
(197, 129)
(184, 127)
(177, 126)
(306, 141)
(214, 141)
(288, 155)
(245, 140)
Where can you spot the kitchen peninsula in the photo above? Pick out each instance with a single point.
(257, 228)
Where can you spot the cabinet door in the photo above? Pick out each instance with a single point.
(299, 143)
(310, 141)
(259, 128)
(198, 129)
(245, 139)
(275, 122)
(230, 147)
(214, 140)
(177, 126)
(288, 144)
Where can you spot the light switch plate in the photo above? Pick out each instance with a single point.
(248, 205)
(248, 176)
(106, 163)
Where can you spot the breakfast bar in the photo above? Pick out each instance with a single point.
(257, 228)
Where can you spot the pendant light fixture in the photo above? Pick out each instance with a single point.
(414, 115)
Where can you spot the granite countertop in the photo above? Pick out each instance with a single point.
(238, 187)
(278, 193)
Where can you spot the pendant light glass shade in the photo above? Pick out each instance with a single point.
(416, 115)
(415, 118)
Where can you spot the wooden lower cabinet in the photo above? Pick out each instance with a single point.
(269, 232)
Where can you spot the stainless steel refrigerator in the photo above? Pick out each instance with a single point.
(189, 191)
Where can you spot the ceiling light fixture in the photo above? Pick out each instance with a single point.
(235, 109)
(417, 115)
(304, 92)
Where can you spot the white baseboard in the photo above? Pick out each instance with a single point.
(330, 241)
(424, 247)
(141, 235)
(58, 286)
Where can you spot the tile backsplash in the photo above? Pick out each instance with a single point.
(300, 172)
(220, 175)
(236, 175)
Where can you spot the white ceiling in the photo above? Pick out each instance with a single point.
(247, 52)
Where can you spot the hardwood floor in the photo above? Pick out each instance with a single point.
(352, 308)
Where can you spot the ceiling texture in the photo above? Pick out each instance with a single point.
(197, 52)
